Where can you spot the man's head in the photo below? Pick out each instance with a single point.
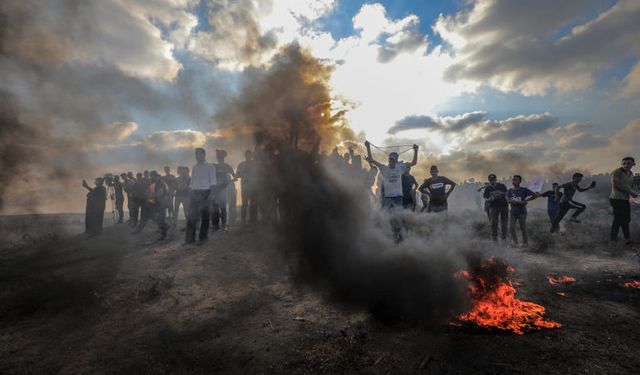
(139, 176)
(154, 174)
(130, 175)
(116, 178)
(124, 176)
(628, 162)
(146, 174)
(516, 180)
(393, 159)
(577, 177)
(200, 155)
(167, 170)
(220, 155)
(247, 155)
(492, 179)
(434, 171)
(407, 171)
(99, 181)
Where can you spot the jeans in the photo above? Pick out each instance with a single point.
(393, 204)
(621, 218)
(522, 220)
(501, 215)
(198, 206)
(249, 203)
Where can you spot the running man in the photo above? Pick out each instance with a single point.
(392, 183)
(495, 194)
(621, 190)
(518, 197)
(567, 203)
(436, 188)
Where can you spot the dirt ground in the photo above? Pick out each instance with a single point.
(126, 304)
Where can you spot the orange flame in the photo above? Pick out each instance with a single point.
(494, 305)
(560, 280)
(632, 284)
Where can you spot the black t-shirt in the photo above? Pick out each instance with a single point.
(408, 182)
(498, 192)
(437, 188)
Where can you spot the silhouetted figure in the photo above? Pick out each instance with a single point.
(139, 192)
(94, 212)
(156, 201)
(621, 191)
(170, 180)
(246, 172)
(409, 185)
(224, 174)
(119, 193)
(182, 193)
(128, 186)
(203, 180)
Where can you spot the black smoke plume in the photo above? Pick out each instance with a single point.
(336, 242)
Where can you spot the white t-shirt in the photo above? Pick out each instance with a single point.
(392, 179)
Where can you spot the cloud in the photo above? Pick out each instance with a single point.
(476, 128)
(520, 46)
(631, 83)
(165, 140)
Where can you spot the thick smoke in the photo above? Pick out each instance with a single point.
(336, 241)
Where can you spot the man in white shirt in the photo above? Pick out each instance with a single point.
(392, 182)
(203, 181)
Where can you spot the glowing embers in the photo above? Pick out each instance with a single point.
(494, 303)
(553, 280)
(632, 284)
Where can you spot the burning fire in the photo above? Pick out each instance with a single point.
(632, 284)
(560, 280)
(494, 302)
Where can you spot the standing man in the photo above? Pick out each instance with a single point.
(246, 172)
(621, 190)
(436, 188)
(518, 197)
(486, 202)
(128, 184)
(94, 212)
(495, 193)
(156, 204)
(567, 203)
(554, 196)
(203, 180)
(409, 185)
(139, 194)
(392, 184)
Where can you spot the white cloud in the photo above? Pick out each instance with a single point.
(631, 83)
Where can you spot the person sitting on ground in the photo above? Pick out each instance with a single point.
(392, 183)
(495, 194)
(567, 203)
(518, 197)
(436, 188)
(554, 196)
(621, 191)
(409, 185)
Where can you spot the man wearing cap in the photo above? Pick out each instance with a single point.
(436, 188)
(392, 182)
(495, 194)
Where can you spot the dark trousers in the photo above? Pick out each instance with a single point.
(521, 220)
(120, 209)
(564, 208)
(621, 218)
(135, 211)
(248, 204)
(198, 207)
(499, 215)
(155, 212)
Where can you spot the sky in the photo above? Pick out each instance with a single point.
(481, 85)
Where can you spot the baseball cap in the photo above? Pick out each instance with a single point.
(394, 156)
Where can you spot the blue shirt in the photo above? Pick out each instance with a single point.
(553, 204)
(519, 194)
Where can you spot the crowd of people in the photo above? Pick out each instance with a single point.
(207, 194)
